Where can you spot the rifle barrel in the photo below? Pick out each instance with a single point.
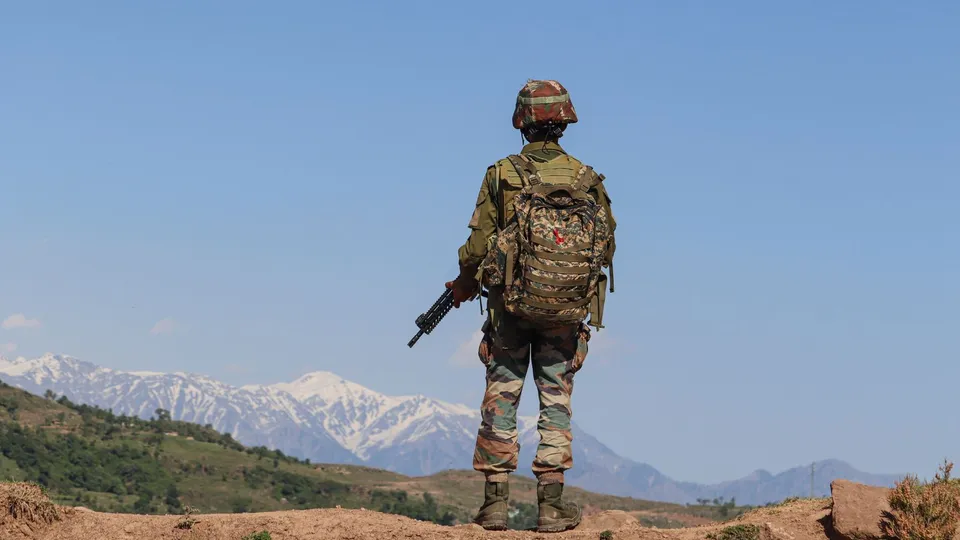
(415, 338)
(426, 322)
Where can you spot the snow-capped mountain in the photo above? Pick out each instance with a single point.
(367, 422)
(255, 416)
(318, 416)
(327, 419)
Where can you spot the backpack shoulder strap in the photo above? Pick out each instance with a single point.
(498, 196)
(526, 169)
(587, 178)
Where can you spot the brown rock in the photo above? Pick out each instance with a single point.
(768, 531)
(857, 509)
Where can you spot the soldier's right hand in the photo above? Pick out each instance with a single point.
(463, 290)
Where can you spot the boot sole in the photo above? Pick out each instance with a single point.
(494, 524)
(561, 526)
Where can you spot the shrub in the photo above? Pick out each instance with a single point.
(737, 532)
(27, 502)
(928, 511)
(187, 521)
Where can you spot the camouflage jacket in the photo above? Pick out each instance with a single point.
(500, 183)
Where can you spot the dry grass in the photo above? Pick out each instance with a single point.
(26, 502)
(928, 511)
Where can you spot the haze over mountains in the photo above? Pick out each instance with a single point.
(325, 418)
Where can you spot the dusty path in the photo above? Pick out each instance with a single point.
(796, 521)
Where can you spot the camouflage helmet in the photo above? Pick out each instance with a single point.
(541, 102)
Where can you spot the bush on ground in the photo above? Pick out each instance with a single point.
(23, 501)
(923, 511)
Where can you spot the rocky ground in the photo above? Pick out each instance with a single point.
(851, 514)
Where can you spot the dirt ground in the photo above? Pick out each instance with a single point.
(802, 520)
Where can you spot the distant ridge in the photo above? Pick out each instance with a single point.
(326, 418)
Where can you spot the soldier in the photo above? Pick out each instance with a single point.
(511, 339)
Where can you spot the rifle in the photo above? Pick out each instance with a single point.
(426, 322)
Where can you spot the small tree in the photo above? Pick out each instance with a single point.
(173, 497)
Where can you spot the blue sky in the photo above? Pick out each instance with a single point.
(277, 190)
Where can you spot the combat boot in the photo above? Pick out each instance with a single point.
(555, 515)
(493, 514)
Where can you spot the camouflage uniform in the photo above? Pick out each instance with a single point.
(510, 344)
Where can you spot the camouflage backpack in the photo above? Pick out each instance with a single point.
(549, 258)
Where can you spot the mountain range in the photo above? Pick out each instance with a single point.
(328, 419)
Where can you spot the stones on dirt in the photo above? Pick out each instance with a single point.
(857, 509)
(769, 531)
(608, 519)
(854, 515)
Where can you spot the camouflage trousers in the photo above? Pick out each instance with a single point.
(556, 355)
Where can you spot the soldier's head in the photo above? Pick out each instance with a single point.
(543, 110)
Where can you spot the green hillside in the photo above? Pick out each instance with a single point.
(90, 457)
